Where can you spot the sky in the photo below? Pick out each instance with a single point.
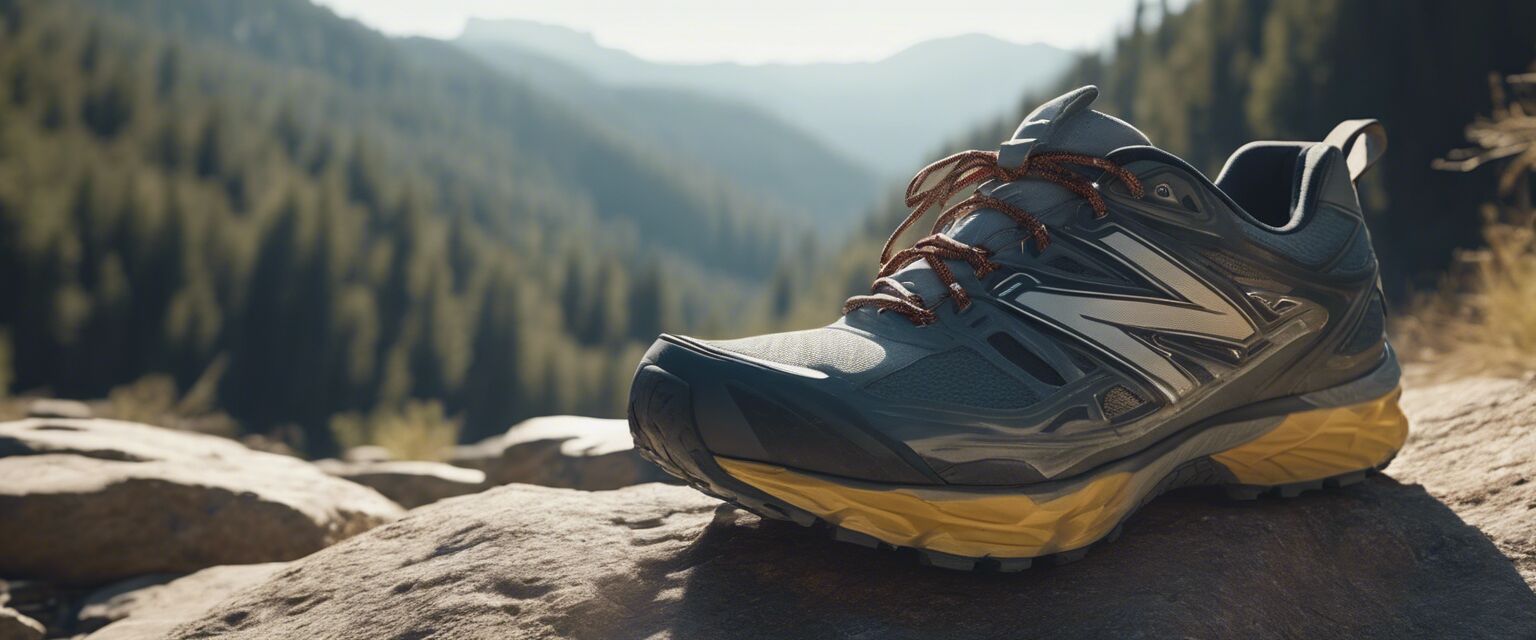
(761, 31)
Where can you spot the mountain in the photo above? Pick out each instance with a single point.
(765, 156)
(450, 108)
(288, 217)
(891, 113)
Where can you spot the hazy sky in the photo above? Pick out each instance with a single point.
(765, 31)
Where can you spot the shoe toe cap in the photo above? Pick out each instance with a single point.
(745, 408)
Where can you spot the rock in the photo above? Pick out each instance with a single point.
(90, 501)
(147, 609)
(1379, 559)
(50, 605)
(561, 451)
(117, 600)
(14, 626)
(410, 483)
(367, 453)
(1473, 447)
(56, 408)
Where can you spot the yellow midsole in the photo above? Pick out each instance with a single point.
(1317, 444)
(1305, 446)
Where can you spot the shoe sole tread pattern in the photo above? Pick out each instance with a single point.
(664, 431)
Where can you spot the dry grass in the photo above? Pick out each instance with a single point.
(155, 399)
(1483, 317)
(418, 431)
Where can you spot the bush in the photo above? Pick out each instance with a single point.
(417, 431)
(1482, 319)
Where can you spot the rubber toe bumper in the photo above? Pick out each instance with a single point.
(754, 410)
(662, 425)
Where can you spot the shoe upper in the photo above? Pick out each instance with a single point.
(1193, 299)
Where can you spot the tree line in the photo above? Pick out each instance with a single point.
(291, 216)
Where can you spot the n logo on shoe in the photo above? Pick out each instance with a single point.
(1101, 320)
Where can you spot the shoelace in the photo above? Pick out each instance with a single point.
(957, 172)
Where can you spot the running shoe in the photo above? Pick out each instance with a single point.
(1090, 323)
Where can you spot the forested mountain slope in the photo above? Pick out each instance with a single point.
(315, 219)
(471, 128)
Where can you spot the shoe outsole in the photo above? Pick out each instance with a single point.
(662, 425)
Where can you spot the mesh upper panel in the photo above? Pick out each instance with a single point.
(846, 352)
(1120, 400)
(1357, 258)
(1234, 265)
(959, 377)
(1314, 243)
(1369, 331)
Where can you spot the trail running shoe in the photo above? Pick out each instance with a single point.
(1095, 324)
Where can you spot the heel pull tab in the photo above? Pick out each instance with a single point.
(1362, 141)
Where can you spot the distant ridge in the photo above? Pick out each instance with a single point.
(889, 114)
(767, 157)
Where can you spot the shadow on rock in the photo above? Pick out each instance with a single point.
(1379, 559)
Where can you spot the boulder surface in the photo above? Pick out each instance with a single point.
(138, 610)
(561, 451)
(1381, 559)
(411, 483)
(1386, 558)
(14, 626)
(1472, 445)
(367, 453)
(91, 501)
(58, 408)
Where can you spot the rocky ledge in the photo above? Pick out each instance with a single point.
(1441, 546)
(1386, 558)
(87, 501)
(411, 483)
(561, 451)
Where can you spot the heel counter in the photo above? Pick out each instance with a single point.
(1366, 336)
(1327, 229)
(1356, 348)
(1369, 331)
(1337, 192)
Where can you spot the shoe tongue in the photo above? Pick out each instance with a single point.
(1063, 124)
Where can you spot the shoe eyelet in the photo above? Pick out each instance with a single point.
(1163, 191)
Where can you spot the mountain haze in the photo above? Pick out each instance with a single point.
(890, 114)
(765, 156)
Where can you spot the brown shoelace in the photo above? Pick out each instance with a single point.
(957, 172)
